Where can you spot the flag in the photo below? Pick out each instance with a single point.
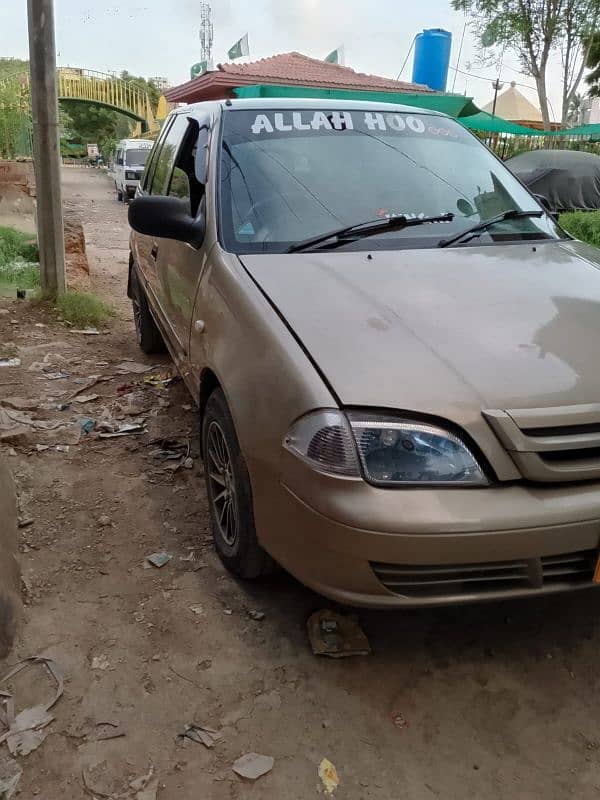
(336, 56)
(199, 68)
(239, 49)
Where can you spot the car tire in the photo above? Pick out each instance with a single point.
(119, 195)
(148, 336)
(230, 494)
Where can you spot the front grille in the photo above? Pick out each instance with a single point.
(555, 444)
(491, 577)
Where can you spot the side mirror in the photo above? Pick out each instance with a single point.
(545, 203)
(166, 218)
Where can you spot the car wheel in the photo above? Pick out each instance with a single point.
(119, 195)
(147, 333)
(230, 494)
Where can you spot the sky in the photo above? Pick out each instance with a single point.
(160, 38)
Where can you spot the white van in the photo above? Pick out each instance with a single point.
(130, 160)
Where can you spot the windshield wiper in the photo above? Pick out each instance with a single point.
(480, 227)
(369, 228)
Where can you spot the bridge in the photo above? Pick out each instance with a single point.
(76, 85)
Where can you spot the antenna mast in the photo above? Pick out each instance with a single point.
(206, 32)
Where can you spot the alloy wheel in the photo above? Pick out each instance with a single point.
(222, 484)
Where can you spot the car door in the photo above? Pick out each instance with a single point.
(146, 247)
(180, 265)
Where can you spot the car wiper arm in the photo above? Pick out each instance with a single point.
(480, 227)
(368, 228)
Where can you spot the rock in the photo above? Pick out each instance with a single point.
(104, 521)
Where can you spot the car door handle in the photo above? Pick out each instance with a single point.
(154, 251)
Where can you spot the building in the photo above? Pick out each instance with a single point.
(286, 69)
(515, 107)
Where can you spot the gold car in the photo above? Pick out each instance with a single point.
(393, 348)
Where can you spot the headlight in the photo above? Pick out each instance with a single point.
(131, 176)
(391, 451)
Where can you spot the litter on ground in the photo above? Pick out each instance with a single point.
(201, 734)
(332, 634)
(329, 776)
(10, 775)
(159, 559)
(253, 766)
(27, 730)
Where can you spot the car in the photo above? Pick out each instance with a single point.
(130, 160)
(392, 346)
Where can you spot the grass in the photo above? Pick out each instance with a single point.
(18, 259)
(83, 310)
(584, 225)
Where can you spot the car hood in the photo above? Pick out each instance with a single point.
(446, 332)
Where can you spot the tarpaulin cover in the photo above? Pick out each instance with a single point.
(570, 179)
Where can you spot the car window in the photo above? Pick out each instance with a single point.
(191, 160)
(168, 153)
(136, 156)
(154, 155)
(180, 184)
(288, 175)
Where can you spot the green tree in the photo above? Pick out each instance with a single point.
(593, 64)
(146, 84)
(82, 123)
(534, 30)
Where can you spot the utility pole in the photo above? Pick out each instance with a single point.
(46, 151)
(496, 86)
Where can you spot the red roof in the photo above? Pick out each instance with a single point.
(286, 69)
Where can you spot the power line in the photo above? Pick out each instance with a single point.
(491, 80)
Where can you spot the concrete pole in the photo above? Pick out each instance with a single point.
(46, 151)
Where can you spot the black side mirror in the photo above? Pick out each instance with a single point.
(545, 203)
(167, 218)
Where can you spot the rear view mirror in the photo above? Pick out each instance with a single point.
(166, 218)
(545, 204)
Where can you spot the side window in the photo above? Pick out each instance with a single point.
(191, 159)
(168, 153)
(120, 157)
(153, 157)
(180, 185)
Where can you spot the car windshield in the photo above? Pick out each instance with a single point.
(290, 175)
(136, 158)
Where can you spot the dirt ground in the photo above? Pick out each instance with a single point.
(490, 701)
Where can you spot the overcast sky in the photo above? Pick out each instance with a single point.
(160, 37)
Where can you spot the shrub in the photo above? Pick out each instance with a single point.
(584, 225)
(83, 309)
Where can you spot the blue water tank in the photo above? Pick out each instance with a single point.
(432, 58)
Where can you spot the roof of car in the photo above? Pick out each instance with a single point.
(134, 142)
(299, 103)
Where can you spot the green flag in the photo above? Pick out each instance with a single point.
(336, 56)
(239, 49)
(198, 69)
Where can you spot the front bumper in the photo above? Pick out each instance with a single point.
(365, 546)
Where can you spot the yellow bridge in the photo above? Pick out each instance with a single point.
(85, 86)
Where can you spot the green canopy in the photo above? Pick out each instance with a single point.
(454, 105)
(482, 121)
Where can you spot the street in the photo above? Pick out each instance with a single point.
(488, 701)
